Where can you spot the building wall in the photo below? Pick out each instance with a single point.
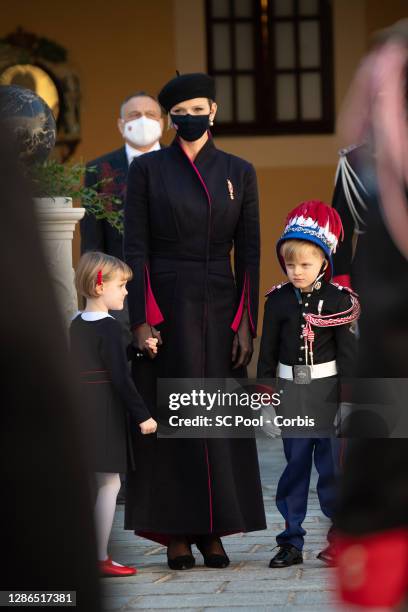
(383, 13)
(116, 48)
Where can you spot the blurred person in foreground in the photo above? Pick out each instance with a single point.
(372, 521)
(47, 532)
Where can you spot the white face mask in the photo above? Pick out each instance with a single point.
(142, 132)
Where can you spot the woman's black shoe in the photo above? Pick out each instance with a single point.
(181, 561)
(288, 555)
(212, 559)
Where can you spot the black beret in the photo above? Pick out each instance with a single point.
(186, 87)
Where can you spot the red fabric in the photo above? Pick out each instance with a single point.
(322, 213)
(344, 280)
(266, 390)
(153, 314)
(253, 330)
(240, 311)
(372, 570)
(238, 316)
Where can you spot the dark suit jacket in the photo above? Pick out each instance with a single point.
(98, 234)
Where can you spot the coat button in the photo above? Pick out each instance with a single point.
(308, 295)
(303, 323)
(302, 348)
(307, 304)
(300, 359)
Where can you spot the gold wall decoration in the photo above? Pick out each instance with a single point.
(41, 65)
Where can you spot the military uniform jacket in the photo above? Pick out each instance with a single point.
(350, 198)
(282, 339)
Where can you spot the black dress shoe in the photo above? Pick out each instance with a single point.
(214, 560)
(288, 555)
(327, 556)
(182, 562)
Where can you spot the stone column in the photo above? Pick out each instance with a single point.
(57, 220)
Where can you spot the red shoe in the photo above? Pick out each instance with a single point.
(328, 556)
(108, 568)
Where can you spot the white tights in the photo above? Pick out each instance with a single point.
(108, 486)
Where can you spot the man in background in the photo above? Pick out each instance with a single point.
(141, 126)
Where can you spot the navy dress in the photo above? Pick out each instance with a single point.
(111, 402)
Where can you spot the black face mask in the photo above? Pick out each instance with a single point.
(191, 127)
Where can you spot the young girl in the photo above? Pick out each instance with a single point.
(109, 394)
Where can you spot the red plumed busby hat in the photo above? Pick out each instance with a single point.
(315, 222)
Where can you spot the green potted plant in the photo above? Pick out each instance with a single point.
(55, 186)
(64, 183)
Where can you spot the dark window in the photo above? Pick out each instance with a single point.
(273, 64)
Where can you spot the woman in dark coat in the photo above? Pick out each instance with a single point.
(187, 206)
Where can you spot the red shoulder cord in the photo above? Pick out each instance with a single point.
(317, 320)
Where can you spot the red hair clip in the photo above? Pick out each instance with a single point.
(99, 278)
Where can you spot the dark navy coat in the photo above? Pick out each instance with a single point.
(182, 222)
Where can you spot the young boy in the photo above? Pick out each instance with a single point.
(300, 350)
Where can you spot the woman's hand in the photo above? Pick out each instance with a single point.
(142, 339)
(242, 345)
(148, 427)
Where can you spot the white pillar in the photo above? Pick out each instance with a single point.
(57, 221)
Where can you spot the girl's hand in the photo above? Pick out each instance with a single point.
(141, 334)
(148, 427)
(151, 343)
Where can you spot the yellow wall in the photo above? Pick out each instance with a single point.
(383, 13)
(116, 48)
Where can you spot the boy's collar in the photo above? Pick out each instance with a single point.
(317, 287)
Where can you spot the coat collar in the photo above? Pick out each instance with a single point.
(92, 315)
(203, 153)
(315, 292)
